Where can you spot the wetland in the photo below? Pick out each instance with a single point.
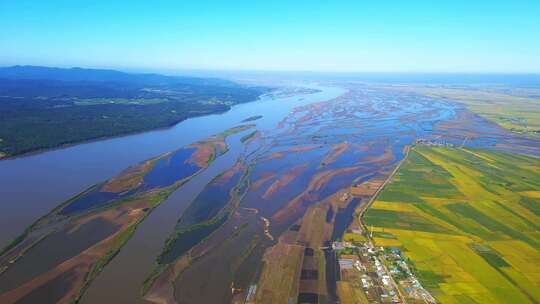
(244, 206)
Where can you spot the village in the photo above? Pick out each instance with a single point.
(383, 274)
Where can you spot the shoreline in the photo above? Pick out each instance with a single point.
(4, 156)
(379, 190)
(95, 139)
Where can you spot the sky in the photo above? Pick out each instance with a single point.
(473, 36)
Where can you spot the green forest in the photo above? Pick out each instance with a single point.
(49, 109)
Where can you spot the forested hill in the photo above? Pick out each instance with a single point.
(42, 107)
(19, 72)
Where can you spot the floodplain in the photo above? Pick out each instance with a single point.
(280, 221)
(468, 221)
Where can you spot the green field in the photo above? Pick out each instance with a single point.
(248, 136)
(123, 101)
(469, 220)
(518, 113)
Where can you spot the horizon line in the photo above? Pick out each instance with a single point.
(157, 70)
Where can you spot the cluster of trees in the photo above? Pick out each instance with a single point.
(40, 113)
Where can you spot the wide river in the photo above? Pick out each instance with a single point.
(33, 185)
(376, 124)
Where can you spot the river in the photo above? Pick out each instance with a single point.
(33, 185)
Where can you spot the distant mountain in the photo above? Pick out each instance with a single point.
(28, 72)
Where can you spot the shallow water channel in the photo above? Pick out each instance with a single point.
(31, 186)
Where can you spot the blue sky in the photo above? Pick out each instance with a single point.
(349, 36)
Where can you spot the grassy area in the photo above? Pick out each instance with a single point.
(278, 282)
(469, 220)
(516, 113)
(119, 241)
(237, 129)
(252, 118)
(248, 136)
(353, 237)
(125, 101)
(46, 112)
(351, 292)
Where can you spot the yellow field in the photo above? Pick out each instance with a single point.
(353, 237)
(349, 294)
(516, 113)
(279, 279)
(468, 220)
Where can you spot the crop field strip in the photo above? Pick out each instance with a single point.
(294, 188)
(514, 111)
(468, 221)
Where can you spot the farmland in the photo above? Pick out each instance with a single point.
(515, 110)
(468, 221)
(271, 215)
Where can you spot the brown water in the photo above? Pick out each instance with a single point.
(293, 170)
(122, 279)
(376, 123)
(33, 185)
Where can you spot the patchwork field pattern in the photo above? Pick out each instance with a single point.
(515, 111)
(469, 221)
